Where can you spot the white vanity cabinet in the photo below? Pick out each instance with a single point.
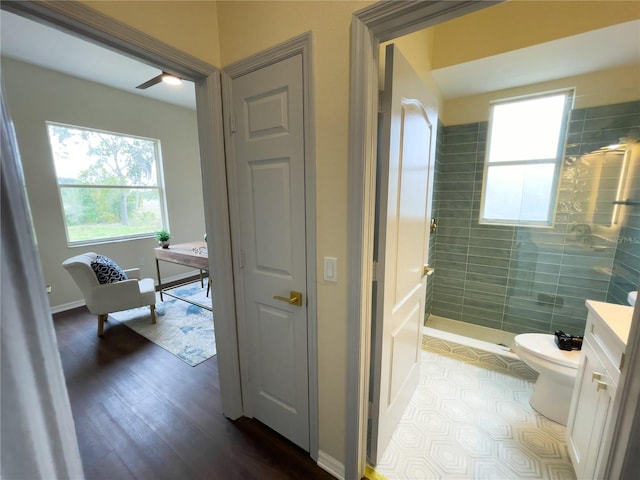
(602, 358)
(591, 402)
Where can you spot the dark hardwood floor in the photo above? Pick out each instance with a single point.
(142, 413)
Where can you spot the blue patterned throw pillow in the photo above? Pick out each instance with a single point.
(107, 270)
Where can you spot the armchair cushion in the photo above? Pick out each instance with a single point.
(117, 289)
(116, 296)
(107, 271)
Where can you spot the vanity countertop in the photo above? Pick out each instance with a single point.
(616, 317)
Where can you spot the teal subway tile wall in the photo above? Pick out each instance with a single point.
(524, 279)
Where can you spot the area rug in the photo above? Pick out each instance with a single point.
(183, 329)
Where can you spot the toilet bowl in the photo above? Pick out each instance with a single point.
(557, 370)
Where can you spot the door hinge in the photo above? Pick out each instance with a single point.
(376, 272)
(241, 259)
(370, 412)
(232, 121)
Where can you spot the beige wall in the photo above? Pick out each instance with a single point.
(417, 48)
(191, 26)
(521, 23)
(247, 28)
(227, 31)
(598, 88)
(35, 95)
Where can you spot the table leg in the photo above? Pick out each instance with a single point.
(159, 279)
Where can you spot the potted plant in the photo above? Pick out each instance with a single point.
(163, 237)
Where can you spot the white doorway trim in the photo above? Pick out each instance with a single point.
(370, 26)
(38, 434)
(96, 27)
(302, 44)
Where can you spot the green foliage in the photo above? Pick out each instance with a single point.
(82, 233)
(163, 235)
(94, 158)
(119, 160)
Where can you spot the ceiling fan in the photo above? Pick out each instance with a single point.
(163, 77)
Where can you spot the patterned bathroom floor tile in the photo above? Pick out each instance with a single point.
(470, 418)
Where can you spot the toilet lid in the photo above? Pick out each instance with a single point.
(544, 346)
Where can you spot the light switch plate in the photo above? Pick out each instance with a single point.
(331, 269)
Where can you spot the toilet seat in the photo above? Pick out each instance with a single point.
(543, 346)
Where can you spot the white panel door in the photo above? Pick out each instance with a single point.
(269, 165)
(407, 147)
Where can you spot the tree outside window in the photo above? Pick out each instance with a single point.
(110, 184)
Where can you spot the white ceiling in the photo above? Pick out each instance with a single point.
(609, 47)
(47, 47)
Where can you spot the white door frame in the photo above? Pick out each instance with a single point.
(96, 27)
(302, 45)
(39, 438)
(369, 27)
(378, 23)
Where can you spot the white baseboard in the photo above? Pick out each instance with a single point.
(67, 306)
(80, 303)
(331, 465)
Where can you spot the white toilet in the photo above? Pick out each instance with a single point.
(557, 370)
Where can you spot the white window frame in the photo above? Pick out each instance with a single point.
(557, 161)
(160, 187)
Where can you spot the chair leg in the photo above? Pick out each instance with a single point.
(153, 313)
(101, 319)
(208, 285)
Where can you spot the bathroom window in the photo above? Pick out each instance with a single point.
(524, 155)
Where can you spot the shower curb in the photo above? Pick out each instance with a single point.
(476, 356)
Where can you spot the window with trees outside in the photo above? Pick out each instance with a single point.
(523, 160)
(110, 184)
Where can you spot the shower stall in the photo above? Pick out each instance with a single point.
(495, 281)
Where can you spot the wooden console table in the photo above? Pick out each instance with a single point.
(191, 254)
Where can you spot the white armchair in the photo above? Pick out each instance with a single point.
(102, 299)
